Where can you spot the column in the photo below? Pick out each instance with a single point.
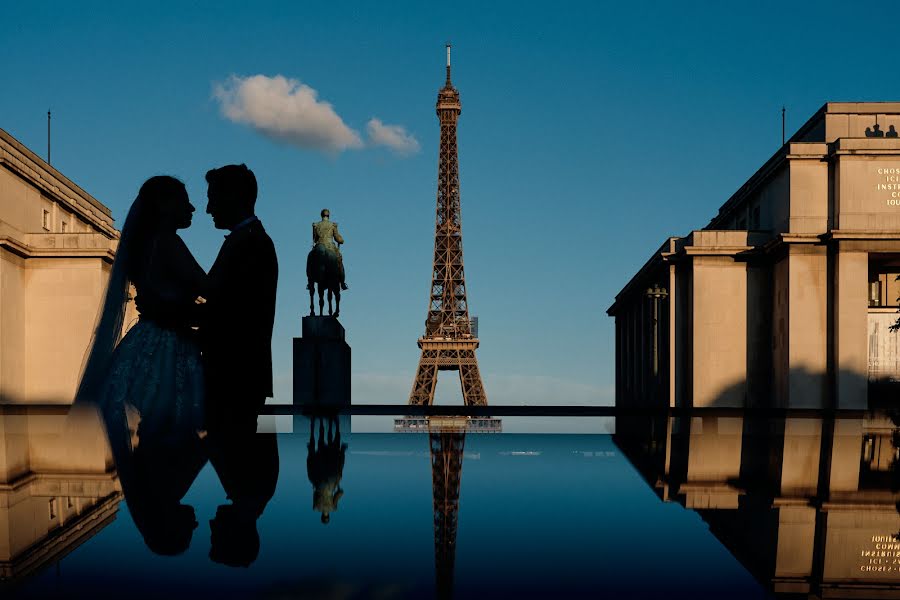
(719, 332)
(850, 335)
(807, 338)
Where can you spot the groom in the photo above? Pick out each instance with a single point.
(236, 340)
(236, 331)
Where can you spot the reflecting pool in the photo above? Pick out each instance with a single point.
(688, 506)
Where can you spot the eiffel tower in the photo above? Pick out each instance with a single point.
(446, 471)
(448, 343)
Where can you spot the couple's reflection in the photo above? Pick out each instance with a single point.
(155, 478)
(247, 465)
(157, 467)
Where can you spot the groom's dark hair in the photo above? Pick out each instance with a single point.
(238, 180)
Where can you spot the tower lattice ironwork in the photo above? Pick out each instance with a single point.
(448, 343)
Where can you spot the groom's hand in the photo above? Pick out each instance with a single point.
(151, 306)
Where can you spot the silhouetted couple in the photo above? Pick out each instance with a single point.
(199, 358)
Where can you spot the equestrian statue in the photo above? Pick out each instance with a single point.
(325, 265)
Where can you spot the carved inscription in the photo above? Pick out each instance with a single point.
(882, 555)
(888, 185)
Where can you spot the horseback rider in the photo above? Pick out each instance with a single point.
(325, 232)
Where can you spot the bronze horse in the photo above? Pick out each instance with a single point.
(324, 271)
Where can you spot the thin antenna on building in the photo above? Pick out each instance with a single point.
(48, 137)
(782, 125)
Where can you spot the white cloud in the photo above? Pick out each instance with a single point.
(286, 110)
(394, 137)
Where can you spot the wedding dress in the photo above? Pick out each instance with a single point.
(155, 370)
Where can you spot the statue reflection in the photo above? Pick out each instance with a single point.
(446, 441)
(325, 465)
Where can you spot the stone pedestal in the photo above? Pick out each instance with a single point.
(321, 365)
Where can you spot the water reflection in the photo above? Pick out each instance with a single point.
(807, 505)
(157, 466)
(154, 472)
(326, 454)
(325, 464)
(446, 442)
(385, 541)
(57, 488)
(247, 465)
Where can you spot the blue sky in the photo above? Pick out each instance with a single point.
(590, 132)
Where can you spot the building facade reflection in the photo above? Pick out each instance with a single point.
(808, 504)
(58, 488)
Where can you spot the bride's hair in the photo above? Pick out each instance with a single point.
(142, 222)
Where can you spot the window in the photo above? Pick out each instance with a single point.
(52, 508)
(45, 219)
(64, 226)
(875, 293)
(884, 287)
(754, 217)
(891, 287)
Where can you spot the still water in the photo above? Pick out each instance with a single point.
(667, 507)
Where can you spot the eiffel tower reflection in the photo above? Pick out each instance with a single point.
(446, 439)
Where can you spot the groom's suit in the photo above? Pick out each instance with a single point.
(236, 331)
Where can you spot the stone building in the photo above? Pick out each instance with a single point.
(57, 244)
(786, 297)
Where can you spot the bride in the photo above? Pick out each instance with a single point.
(155, 369)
